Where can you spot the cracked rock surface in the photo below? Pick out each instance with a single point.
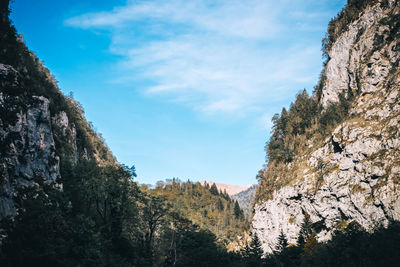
(27, 144)
(359, 179)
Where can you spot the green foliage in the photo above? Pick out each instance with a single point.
(294, 122)
(191, 225)
(245, 200)
(305, 231)
(102, 218)
(206, 208)
(252, 254)
(46, 233)
(220, 205)
(198, 249)
(214, 190)
(282, 242)
(306, 121)
(238, 211)
(335, 113)
(352, 246)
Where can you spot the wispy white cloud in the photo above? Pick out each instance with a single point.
(248, 19)
(215, 56)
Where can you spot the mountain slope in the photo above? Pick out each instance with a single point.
(209, 210)
(229, 188)
(245, 198)
(335, 156)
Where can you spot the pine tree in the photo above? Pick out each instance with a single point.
(226, 195)
(253, 252)
(255, 246)
(305, 230)
(220, 205)
(237, 211)
(282, 242)
(206, 185)
(214, 190)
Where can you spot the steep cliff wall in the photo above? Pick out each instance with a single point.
(40, 128)
(354, 173)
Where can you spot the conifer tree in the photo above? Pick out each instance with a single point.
(214, 189)
(282, 242)
(253, 252)
(226, 195)
(237, 211)
(305, 230)
(255, 247)
(220, 205)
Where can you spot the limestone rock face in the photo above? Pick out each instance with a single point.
(29, 153)
(347, 65)
(354, 175)
(42, 132)
(27, 144)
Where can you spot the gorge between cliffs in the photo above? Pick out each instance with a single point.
(327, 195)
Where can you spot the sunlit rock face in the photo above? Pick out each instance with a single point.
(354, 175)
(361, 59)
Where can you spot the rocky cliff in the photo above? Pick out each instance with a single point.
(40, 128)
(353, 174)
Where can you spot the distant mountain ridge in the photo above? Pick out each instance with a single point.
(245, 198)
(230, 189)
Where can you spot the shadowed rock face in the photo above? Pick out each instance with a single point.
(354, 175)
(3, 9)
(30, 125)
(27, 144)
(39, 126)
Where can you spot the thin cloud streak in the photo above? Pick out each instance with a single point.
(215, 56)
(245, 19)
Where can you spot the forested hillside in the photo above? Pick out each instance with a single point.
(205, 206)
(246, 199)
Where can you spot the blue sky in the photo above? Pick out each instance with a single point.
(181, 88)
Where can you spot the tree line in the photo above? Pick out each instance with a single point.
(351, 245)
(101, 217)
(305, 122)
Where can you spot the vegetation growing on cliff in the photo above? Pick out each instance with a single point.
(340, 23)
(36, 80)
(293, 133)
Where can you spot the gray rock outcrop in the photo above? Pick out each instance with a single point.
(27, 144)
(38, 128)
(354, 175)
